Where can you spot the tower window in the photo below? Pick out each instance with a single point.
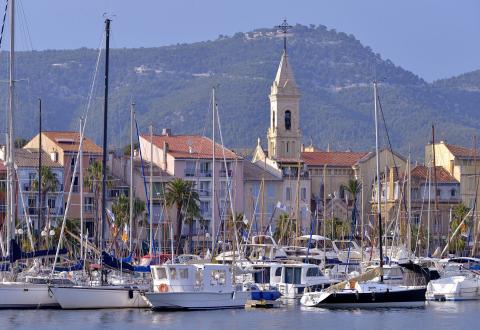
(273, 120)
(288, 120)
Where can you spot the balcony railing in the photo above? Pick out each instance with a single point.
(206, 213)
(223, 173)
(198, 173)
(204, 192)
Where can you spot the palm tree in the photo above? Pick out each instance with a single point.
(93, 181)
(353, 187)
(182, 195)
(49, 183)
(285, 226)
(459, 212)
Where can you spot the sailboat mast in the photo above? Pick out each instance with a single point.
(40, 203)
(214, 101)
(81, 188)
(150, 204)
(11, 146)
(379, 185)
(105, 126)
(409, 203)
(130, 230)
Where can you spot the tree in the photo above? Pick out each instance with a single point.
(20, 142)
(353, 187)
(93, 181)
(182, 195)
(49, 184)
(126, 149)
(457, 243)
(285, 226)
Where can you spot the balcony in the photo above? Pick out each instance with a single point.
(206, 213)
(201, 173)
(223, 173)
(204, 192)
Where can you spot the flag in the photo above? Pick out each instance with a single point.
(125, 234)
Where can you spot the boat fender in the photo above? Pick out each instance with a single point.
(163, 287)
(373, 295)
(130, 294)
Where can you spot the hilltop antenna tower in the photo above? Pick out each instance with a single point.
(284, 27)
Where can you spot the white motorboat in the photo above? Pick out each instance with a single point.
(461, 287)
(292, 280)
(195, 286)
(97, 297)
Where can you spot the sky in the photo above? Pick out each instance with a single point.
(432, 38)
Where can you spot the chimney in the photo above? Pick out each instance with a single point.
(165, 152)
(166, 131)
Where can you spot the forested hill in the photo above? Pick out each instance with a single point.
(171, 87)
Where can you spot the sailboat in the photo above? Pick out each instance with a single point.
(361, 291)
(104, 295)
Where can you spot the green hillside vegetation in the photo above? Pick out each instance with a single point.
(171, 87)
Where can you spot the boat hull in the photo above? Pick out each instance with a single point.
(454, 288)
(77, 297)
(26, 295)
(352, 299)
(197, 300)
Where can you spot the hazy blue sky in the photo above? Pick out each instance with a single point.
(432, 38)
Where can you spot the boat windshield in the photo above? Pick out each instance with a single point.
(314, 244)
(293, 275)
(344, 245)
(262, 275)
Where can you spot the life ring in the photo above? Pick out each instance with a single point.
(163, 287)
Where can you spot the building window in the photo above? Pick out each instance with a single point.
(287, 194)
(288, 120)
(88, 204)
(453, 192)
(190, 168)
(51, 203)
(205, 169)
(273, 120)
(304, 194)
(32, 203)
(286, 149)
(75, 184)
(72, 163)
(205, 208)
(438, 192)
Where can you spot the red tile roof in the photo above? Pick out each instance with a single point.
(442, 175)
(190, 146)
(461, 152)
(70, 141)
(332, 158)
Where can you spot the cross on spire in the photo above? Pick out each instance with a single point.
(284, 27)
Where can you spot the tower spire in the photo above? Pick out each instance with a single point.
(284, 27)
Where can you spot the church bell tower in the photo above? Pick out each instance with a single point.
(284, 135)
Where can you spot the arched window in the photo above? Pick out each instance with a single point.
(288, 120)
(273, 120)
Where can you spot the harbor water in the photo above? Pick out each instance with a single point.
(435, 315)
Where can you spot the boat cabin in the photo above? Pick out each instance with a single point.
(194, 277)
